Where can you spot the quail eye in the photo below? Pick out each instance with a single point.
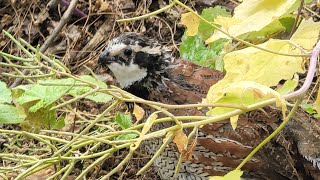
(127, 52)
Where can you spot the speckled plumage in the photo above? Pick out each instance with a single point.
(219, 148)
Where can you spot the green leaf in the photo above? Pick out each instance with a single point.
(5, 95)
(59, 123)
(98, 97)
(10, 114)
(74, 90)
(193, 49)
(274, 28)
(317, 116)
(93, 80)
(308, 108)
(126, 136)
(287, 22)
(44, 95)
(204, 29)
(288, 86)
(123, 120)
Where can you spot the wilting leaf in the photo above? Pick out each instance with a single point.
(288, 86)
(232, 175)
(234, 121)
(189, 151)
(181, 140)
(246, 93)
(307, 34)
(138, 112)
(261, 12)
(42, 118)
(251, 64)
(191, 21)
(150, 120)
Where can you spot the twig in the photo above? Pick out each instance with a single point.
(150, 14)
(77, 11)
(64, 19)
(294, 26)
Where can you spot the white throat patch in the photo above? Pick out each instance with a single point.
(127, 75)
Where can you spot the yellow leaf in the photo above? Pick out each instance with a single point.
(252, 15)
(181, 140)
(138, 112)
(261, 12)
(149, 123)
(191, 22)
(232, 175)
(225, 23)
(234, 121)
(307, 34)
(247, 93)
(144, 130)
(251, 64)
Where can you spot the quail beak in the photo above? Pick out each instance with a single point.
(105, 59)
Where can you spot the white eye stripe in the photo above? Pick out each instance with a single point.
(116, 49)
(147, 49)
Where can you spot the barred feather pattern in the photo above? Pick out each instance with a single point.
(219, 148)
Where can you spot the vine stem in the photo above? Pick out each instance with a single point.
(149, 14)
(274, 133)
(310, 74)
(86, 129)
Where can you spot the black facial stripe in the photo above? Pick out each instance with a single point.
(152, 62)
(143, 59)
(142, 43)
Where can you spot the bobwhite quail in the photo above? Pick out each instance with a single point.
(147, 69)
